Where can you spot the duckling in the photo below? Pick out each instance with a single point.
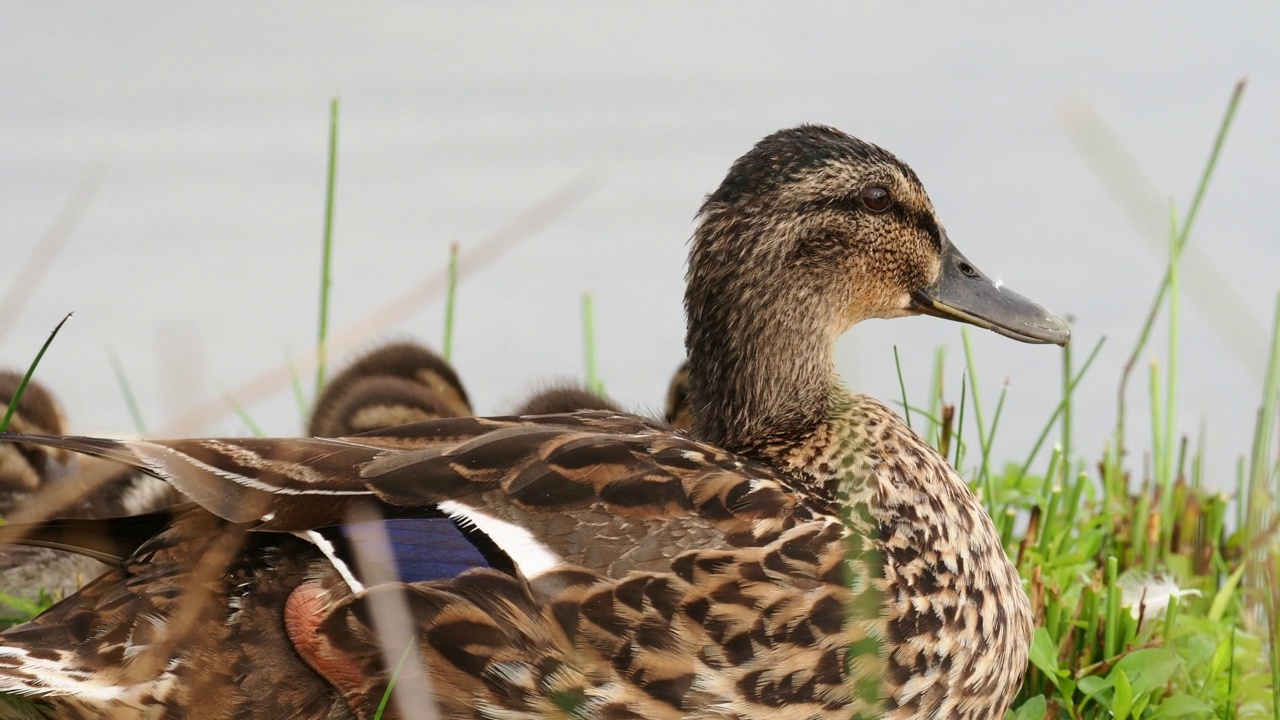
(395, 384)
(34, 573)
(801, 553)
(29, 572)
(677, 406)
(24, 468)
(564, 397)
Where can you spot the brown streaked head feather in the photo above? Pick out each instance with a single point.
(785, 258)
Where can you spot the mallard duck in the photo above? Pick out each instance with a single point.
(27, 572)
(564, 397)
(33, 573)
(395, 384)
(801, 554)
(676, 409)
(25, 467)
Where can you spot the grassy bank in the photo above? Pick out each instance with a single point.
(1155, 592)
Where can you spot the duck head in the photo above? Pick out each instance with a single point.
(811, 232)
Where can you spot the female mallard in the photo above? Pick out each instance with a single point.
(803, 554)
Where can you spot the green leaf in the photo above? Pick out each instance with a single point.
(1044, 655)
(1179, 706)
(22, 605)
(1032, 709)
(1122, 702)
(1148, 669)
(1219, 606)
(1091, 685)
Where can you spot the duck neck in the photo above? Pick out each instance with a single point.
(757, 378)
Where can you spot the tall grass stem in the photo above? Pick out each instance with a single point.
(594, 384)
(326, 279)
(1192, 211)
(126, 390)
(450, 302)
(902, 385)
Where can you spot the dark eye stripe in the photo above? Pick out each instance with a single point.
(925, 221)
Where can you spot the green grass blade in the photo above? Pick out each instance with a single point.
(960, 425)
(295, 382)
(1063, 404)
(977, 401)
(986, 477)
(1193, 210)
(26, 608)
(1111, 630)
(934, 429)
(450, 302)
(130, 401)
(1157, 447)
(1066, 397)
(22, 386)
(391, 684)
(1171, 375)
(902, 385)
(1259, 495)
(327, 254)
(244, 416)
(594, 384)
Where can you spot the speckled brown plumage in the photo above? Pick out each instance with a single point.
(801, 554)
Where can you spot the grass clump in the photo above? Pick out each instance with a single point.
(1155, 595)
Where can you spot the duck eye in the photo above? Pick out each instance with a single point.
(876, 199)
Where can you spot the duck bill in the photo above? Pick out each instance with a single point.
(964, 293)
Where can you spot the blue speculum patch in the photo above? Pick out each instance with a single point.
(420, 548)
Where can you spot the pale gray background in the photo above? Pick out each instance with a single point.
(198, 259)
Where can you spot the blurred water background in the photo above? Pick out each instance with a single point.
(204, 132)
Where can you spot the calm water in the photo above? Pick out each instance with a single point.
(197, 260)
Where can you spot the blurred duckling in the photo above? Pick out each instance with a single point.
(29, 572)
(24, 468)
(564, 397)
(395, 384)
(677, 407)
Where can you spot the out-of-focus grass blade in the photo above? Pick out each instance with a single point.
(130, 400)
(326, 264)
(22, 386)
